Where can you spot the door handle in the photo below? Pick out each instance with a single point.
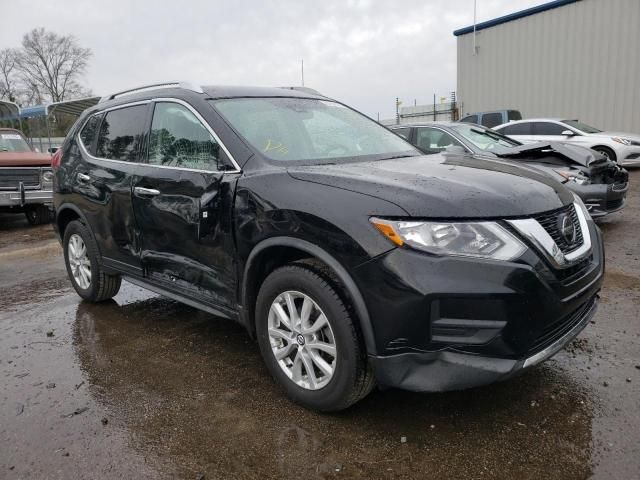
(83, 177)
(146, 192)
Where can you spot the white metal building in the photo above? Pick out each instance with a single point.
(566, 58)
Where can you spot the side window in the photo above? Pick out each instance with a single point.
(432, 140)
(491, 120)
(403, 132)
(523, 128)
(514, 115)
(547, 128)
(470, 119)
(89, 131)
(120, 133)
(178, 139)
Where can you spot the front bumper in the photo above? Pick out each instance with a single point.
(601, 199)
(19, 198)
(443, 323)
(628, 155)
(449, 370)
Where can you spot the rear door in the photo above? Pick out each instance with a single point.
(182, 200)
(549, 131)
(109, 150)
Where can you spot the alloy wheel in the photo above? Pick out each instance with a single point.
(301, 340)
(79, 261)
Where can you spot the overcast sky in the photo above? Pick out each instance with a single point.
(363, 52)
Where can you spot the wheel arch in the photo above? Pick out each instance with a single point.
(606, 147)
(65, 214)
(290, 249)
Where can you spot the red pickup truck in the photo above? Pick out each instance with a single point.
(26, 178)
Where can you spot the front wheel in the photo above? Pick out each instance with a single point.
(607, 152)
(38, 214)
(82, 261)
(309, 340)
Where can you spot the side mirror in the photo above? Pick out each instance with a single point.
(568, 133)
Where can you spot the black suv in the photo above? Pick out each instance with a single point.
(351, 257)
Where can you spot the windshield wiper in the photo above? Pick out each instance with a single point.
(399, 156)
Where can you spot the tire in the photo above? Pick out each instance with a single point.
(38, 214)
(100, 286)
(351, 378)
(607, 152)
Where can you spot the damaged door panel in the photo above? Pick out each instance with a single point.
(182, 203)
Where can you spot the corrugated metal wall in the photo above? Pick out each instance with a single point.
(580, 61)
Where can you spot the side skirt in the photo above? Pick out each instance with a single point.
(192, 302)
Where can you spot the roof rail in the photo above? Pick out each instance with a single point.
(153, 86)
(304, 89)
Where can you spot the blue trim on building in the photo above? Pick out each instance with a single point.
(514, 16)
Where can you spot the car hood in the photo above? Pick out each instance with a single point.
(24, 159)
(630, 136)
(445, 185)
(565, 152)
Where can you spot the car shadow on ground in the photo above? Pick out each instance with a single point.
(193, 387)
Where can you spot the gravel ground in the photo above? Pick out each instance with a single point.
(145, 387)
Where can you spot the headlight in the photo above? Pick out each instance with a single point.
(467, 239)
(47, 176)
(624, 141)
(577, 177)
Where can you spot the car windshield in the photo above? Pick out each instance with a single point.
(13, 142)
(583, 127)
(486, 139)
(309, 130)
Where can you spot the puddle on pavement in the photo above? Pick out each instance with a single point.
(192, 388)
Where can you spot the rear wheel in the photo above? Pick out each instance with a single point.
(607, 152)
(309, 341)
(38, 214)
(82, 261)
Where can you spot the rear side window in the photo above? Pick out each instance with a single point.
(491, 120)
(121, 133)
(470, 119)
(548, 128)
(179, 139)
(516, 129)
(89, 131)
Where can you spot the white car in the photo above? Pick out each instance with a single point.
(623, 148)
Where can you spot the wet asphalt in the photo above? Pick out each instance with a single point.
(144, 387)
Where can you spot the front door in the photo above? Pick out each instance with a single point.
(182, 201)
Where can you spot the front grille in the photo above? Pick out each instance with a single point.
(549, 222)
(555, 330)
(613, 204)
(11, 177)
(567, 274)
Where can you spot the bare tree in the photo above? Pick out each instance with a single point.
(51, 65)
(8, 74)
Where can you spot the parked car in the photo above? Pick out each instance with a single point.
(623, 148)
(352, 258)
(25, 178)
(493, 118)
(601, 183)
